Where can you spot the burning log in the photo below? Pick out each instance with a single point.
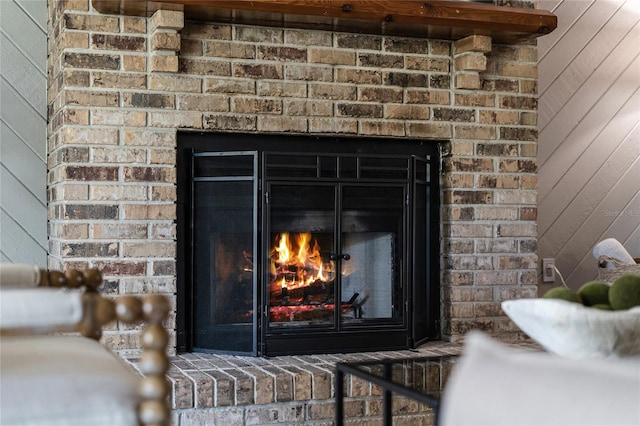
(318, 291)
(314, 310)
(305, 312)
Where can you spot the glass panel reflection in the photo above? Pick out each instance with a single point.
(372, 224)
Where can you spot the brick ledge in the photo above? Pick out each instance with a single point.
(242, 390)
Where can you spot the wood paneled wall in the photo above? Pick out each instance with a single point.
(23, 138)
(589, 144)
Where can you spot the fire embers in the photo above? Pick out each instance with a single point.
(305, 312)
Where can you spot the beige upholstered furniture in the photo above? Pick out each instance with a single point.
(496, 385)
(50, 378)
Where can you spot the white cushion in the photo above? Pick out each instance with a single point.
(39, 308)
(576, 331)
(64, 380)
(494, 385)
(18, 275)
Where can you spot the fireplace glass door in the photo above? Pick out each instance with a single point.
(318, 280)
(301, 273)
(372, 228)
(336, 250)
(223, 235)
(287, 247)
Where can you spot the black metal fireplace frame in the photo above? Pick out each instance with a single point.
(403, 336)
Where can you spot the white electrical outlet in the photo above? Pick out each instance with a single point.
(548, 270)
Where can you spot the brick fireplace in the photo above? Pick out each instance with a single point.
(120, 88)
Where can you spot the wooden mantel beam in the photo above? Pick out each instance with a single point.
(446, 19)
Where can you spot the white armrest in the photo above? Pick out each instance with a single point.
(39, 308)
(17, 275)
(494, 385)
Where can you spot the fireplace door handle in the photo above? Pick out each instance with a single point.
(342, 256)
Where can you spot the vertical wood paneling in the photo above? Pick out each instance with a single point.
(23, 110)
(589, 119)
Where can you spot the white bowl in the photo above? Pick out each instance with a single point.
(576, 331)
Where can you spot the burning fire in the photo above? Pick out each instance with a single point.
(297, 263)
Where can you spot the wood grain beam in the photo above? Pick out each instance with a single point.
(447, 19)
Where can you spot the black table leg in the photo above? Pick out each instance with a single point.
(339, 398)
(386, 399)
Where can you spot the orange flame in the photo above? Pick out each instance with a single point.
(284, 254)
(303, 246)
(296, 265)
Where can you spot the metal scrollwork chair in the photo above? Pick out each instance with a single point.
(52, 378)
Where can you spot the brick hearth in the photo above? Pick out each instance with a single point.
(238, 391)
